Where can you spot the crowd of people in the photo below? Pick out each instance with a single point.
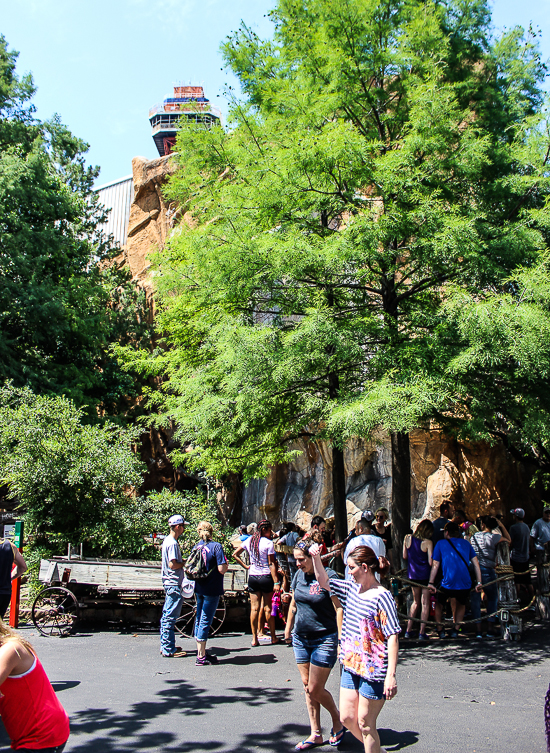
(454, 560)
(329, 618)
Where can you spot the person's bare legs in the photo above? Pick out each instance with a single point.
(458, 614)
(425, 609)
(266, 603)
(255, 614)
(261, 621)
(414, 607)
(368, 714)
(318, 677)
(313, 707)
(439, 616)
(359, 715)
(349, 711)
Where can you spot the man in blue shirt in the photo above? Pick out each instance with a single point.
(454, 554)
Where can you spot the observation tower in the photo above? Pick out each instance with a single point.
(188, 102)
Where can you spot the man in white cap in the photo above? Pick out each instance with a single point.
(364, 537)
(519, 551)
(172, 577)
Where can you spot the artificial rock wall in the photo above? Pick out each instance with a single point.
(476, 477)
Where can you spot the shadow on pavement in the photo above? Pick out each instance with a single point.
(125, 732)
(481, 656)
(390, 739)
(244, 661)
(64, 685)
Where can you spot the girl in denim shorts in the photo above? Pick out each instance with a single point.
(369, 643)
(312, 620)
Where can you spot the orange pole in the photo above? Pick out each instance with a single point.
(16, 584)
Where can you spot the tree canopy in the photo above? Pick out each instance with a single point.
(71, 479)
(61, 305)
(387, 157)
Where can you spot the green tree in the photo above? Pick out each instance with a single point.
(385, 154)
(70, 479)
(503, 365)
(61, 305)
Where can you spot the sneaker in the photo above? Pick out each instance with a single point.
(175, 655)
(212, 658)
(441, 634)
(202, 661)
(455, 634)
(423, 637)
(407, 635)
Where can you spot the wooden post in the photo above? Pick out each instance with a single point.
(508, 597)
(16, 584)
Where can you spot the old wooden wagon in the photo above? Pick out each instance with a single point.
(75, 585)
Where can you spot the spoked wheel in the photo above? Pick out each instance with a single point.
(55, 611)
(186, 621)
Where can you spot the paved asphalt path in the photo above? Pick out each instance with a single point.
(454, 696)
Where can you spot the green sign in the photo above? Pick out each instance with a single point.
(18, 538)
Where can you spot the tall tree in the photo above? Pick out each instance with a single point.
(61, 305)
(378, 158)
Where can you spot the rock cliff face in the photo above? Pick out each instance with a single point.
(475, 477)
(151, 217)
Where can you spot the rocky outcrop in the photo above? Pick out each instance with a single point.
(151, 217)
(478, 478)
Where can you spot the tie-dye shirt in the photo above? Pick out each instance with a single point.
(369, 620)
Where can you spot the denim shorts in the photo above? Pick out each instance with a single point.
(320, 651)
(371, 689)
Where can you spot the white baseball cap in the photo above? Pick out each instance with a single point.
(177, 520)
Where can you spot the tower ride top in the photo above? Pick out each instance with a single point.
(188, 102)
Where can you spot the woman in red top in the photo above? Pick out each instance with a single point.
(33, 717)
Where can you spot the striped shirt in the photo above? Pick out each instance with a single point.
(369, 620)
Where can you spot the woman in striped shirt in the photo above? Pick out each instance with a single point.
(369, 643)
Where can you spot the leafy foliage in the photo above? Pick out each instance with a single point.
(388, 157)
(68, 477)
(138, 518)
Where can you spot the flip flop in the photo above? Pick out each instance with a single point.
(338, 737)
(307, 744)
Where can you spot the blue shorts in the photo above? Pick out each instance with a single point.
(322, 652)
(371, 689)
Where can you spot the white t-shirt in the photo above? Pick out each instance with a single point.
(260, 566)
(365, 539)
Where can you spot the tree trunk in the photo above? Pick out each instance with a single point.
(339, 494)
(338, 470)
(400, 495)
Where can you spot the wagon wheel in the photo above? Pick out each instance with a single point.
(55, 611)
(186, 621)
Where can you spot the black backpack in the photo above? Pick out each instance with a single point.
(195, 566)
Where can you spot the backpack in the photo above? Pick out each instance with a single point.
(195, 566)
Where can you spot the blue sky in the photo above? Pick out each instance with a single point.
(102, 64)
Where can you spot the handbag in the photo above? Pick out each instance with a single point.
(473, 582)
